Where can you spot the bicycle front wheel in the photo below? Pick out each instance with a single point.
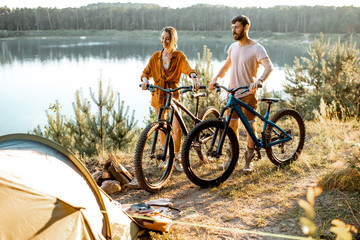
(152, 167)
(291, 122)
(202, 164)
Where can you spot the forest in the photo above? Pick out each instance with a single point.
(200, 17)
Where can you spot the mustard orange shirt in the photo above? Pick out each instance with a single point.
(166, 78)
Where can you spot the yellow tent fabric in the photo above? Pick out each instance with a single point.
(31, 215)
(47, 193)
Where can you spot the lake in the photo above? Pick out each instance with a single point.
(35, 72)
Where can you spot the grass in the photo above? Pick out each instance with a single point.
(267, 199)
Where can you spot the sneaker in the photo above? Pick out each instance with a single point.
(178, 165)
(134, 184)
(227, 163)
(248, 168)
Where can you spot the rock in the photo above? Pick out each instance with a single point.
(106, 174)
(130, 169)
(111, 186)
(97, 176)
(107, 164)
(118, 171)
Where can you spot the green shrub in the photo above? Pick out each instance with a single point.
(332, 73)
(110, 128)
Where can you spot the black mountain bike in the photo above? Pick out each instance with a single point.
(154, 157)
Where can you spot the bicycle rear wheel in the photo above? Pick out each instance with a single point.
(291, 122)
(209, 113)
(200, 162)
(152, 169)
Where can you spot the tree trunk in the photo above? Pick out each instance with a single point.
(48, 13)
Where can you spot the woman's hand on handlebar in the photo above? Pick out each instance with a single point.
(145, 83)
(195, 81)
(195, 84)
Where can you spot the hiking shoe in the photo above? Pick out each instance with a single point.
(248, 168)
(178, 165)
(227, 163)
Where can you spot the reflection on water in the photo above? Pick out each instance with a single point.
(35, 72)
(79, 48)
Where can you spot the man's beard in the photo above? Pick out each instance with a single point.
(239, 36)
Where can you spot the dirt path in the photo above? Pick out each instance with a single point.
(263, 211)
(267, 200)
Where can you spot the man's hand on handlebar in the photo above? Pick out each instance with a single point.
(212, 84)
(254, 86)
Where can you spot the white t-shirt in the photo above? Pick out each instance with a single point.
(245, 62)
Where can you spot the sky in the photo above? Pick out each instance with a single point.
(178, 3)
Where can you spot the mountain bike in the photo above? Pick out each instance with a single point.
(154, 157)
(282, 137)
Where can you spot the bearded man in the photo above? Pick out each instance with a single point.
(244, 57)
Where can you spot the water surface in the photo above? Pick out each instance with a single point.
(35, 72)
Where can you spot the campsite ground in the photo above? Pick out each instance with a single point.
(266, 201)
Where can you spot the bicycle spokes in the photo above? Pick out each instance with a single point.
(153, 163)
(204, 163)
(286, 145)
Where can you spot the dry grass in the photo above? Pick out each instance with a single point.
(266, 200)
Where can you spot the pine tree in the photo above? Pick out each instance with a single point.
(332, 73)
(204, 70)
(57, 129)
(88, 134)
(100, 123)
(120, 130)
(80, 128)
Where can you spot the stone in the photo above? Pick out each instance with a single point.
(111, 186)
(106, 174)
(97, 176)
(118, 171)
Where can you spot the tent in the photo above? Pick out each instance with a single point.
(47, 193)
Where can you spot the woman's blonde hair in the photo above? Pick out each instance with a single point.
(173, 35)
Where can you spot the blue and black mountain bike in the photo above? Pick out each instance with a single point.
(282, 137)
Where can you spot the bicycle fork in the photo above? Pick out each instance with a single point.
(165, 124)
(218, 151)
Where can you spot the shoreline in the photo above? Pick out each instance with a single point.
(222, 36)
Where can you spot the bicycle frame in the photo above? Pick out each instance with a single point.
(173, 105)
(233, 104)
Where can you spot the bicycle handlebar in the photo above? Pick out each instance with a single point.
(196, 95)
(184, 89)
(233, 90)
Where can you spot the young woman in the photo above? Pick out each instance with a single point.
(165, 68)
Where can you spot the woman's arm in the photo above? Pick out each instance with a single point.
(147, 73)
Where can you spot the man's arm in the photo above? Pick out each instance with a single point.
(266, 62)
(221, 73)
